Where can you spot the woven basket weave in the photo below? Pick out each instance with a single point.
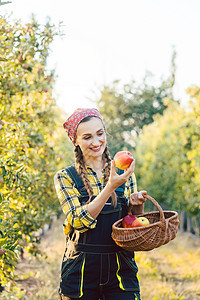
(163, 228)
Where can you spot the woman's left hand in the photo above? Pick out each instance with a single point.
(137, 198)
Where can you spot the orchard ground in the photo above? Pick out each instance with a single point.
(171, 272)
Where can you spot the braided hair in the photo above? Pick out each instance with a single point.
(82, 171)
(107, 158)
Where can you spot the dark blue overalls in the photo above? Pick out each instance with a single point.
(93, 266)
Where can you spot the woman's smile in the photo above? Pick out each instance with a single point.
(96, 149)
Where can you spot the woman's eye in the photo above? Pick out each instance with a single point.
(100, 133)
(87, 138)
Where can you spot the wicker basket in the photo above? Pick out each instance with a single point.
(163, 228)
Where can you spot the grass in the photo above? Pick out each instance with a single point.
(171, 272)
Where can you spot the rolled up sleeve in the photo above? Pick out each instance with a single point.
(77, 215)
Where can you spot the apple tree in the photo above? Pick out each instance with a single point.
(28, 134)
(167, 155)
(126, 108)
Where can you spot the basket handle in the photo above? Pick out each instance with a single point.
(162, 217)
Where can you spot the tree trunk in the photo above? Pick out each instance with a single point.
(1, 288)
(185, 222)
(198, 224)
(191, 226)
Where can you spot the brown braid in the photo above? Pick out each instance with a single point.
(107, 173)
(106, 157)
(82, 171)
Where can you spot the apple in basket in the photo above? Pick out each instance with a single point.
(140, 221)
(128, 220)
(123, 159)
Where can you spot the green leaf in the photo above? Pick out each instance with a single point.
(3, 171)
(1, 197)
(14, 245)
(2, 242)
(11, 254)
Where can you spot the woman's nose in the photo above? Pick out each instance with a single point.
(96, 141)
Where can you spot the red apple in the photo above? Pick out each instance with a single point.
(2, 123)
(128, 221)
(11, 84)
(28, 28)
(140, 221)
(123, 159)
(40, 70)
(20, 57)
(48, 79)
(1, 252)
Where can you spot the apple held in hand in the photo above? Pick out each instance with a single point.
(128, 221)
(123, 159)
(140, 221)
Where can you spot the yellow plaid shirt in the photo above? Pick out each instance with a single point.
(77, 215)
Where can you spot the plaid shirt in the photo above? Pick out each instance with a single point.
(77, 215)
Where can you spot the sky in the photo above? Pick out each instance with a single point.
(107, 40)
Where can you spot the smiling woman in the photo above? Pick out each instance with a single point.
(93, 196)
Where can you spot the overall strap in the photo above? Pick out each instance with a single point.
(121, 188)
(77, 180)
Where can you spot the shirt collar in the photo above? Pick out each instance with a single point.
(89, 169)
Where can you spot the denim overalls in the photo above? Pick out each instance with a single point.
(92, 260)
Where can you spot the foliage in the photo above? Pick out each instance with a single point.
(63, 146)
(167, 156)
(172, 269)
(126, 108)
(28, 128)
(192, 147)
(5, 2)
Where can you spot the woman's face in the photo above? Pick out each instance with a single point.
(91, 138)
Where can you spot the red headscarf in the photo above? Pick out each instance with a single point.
(74, 120)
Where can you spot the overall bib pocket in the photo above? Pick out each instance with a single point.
(72, 273)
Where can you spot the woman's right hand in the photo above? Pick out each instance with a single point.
(115, 180)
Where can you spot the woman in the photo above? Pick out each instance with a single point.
(93, 196)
